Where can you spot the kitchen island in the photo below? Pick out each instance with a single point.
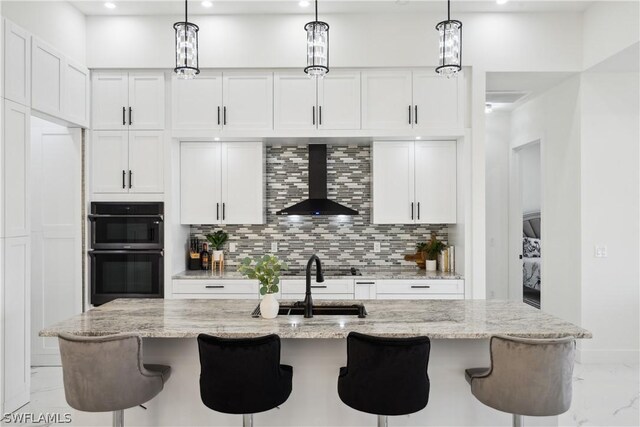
(316, 348)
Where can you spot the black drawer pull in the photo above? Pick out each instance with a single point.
(123, 178)
(214, 286)
(319, 286)
(130, 116)
(218, 115)
(415, 116)
(365, 283)
(124, 112)
(420, 286)
(313, 115)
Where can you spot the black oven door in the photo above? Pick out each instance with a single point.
(126, 274)
(126, 232)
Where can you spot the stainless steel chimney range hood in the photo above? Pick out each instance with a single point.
(317, 204)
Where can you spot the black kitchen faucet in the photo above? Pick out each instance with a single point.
(308, 301)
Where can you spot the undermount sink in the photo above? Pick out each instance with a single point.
(297, 309)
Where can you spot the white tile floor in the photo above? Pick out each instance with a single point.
(603, 395)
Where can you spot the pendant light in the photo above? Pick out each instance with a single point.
(186, 48)
(317, 47)
(450, 45)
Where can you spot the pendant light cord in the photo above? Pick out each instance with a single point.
(448, 10)
(186, 5)
(316, 10)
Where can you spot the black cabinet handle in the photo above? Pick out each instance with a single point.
(420, 286)
(411, 210)
(214, 286)
(313, 115)
(365, 283)
(223, 209)
(130, 116)
(224, 116)
(218, 115)
(319, 286)
(418, 210)
(123, 178)
(409, 114)
(130, 179)
(124, 120)
(320, 115)
(415, 116)
(217, 211)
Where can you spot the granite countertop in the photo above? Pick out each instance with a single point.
(438, 319)
(372, 273)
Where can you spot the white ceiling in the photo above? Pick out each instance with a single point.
(227, 7)
(521, 85)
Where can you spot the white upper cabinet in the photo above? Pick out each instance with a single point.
(386, 100)
(47, 78)
(76, 93)
(197, 103)
(295, 101)
(146, 101)
(146, 162)
(242, 183)
(17, 64)
(435, 171)
(414, 182)
(128, 101)
(437, 101)
(339, 101)
(393, 182)
(110, 164)
(248, 101)
(200, 173)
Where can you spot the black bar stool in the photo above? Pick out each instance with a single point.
(385, 376)
(243, 376)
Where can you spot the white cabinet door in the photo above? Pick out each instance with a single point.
(386, 100)
(16, 169)
(110, 100)
(248, 101)
(109, 164)
(393, 182)
(339, 100)
(146, 161)
(16, 375)
(76, 93)
(295, 101)
(437, 101)
(197, 103)
(242, 183)
(17, 64)
(47, 78)
(200, 183)
(435, 172)
(146, 101)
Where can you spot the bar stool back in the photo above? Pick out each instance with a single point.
(106, 374)
(243, 376)
(385, 376)
(530, 377)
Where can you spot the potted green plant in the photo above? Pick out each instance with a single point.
(431, 249)
(266, 269)
(217, 241)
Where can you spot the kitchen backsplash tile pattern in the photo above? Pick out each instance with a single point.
(338, 241)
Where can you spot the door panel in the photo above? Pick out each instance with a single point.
(393, 182)
(110, 165)
(386, 99)
(110, 94)
(146, 100)
(435, 163)
(17, 64)
(197, 103)
(248, 100)
(242, 183)
(146, 162)
(47, 81)
(339, 100)
(437, 100)
(200, 201)
(16, 177)
(295, 101)
(76, 94)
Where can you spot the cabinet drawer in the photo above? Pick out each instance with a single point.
(298, 286)
(318, 296)
(219, 287)
(420, 287)
(419, 296)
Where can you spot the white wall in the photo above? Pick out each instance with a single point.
(530, 178)
(56, 22)
(497, 148)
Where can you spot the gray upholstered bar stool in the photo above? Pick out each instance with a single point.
(527, 376)
(106, 374)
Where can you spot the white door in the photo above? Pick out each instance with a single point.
(295, 101)
(386, 100)
(109, 161)
(47, 78)
(339, 100)
(197, 103)
(110, 100)
(56, 238)
(393, 182)
(435, 172)
(17, 64)
(437, 101)
(248, 101)
(16, 169)
(76, 94)
(16, 369)
(200, 201)
(242, 183)
(146, 162)
(146, 101)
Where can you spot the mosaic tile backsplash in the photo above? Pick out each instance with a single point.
(337, 241)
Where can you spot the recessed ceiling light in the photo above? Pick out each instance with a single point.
(488, 108)
(110, 5)
(216, 139)
(207, 3)
(303, 3)
(418, 137)
(501, 1)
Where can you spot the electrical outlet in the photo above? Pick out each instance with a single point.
(274, 247)
(600, 251)
(232, 247)
(376, 247)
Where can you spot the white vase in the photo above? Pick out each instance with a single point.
(431, 265)
(269, 306)
(217, 255)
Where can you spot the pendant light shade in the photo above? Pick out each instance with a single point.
(186, 48)
(450, 32)
(317, 47)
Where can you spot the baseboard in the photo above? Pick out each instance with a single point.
(629, 357)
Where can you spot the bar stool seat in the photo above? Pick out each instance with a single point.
(106, 374)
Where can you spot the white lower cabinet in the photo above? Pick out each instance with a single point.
(216, 289)
(330, 289)
(420, 289)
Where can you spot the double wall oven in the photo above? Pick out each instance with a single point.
(127, 250)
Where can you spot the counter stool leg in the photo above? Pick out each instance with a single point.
(517, 420)
(383, 421)
(247, 420)
(118, 418)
